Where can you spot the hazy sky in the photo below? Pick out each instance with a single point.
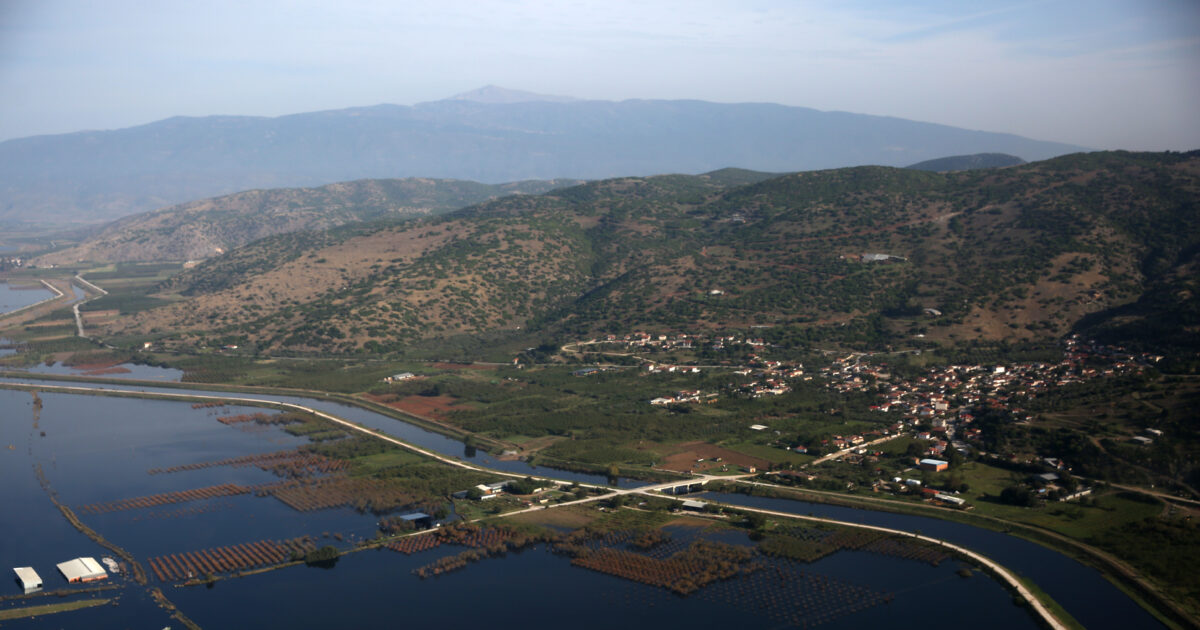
(1099, 73)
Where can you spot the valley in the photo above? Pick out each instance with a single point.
(747, 315)
(1008, 348)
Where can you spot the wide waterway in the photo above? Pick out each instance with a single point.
(1081, 590)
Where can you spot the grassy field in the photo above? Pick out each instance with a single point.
(769, 453)
(1080, 520)
(27, 612)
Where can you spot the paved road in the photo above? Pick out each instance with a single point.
(844, 452)
(75, 308)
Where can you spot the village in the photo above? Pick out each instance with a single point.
(771, 375)
(936, 409)
(10, 262)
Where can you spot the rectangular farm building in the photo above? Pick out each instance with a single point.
(82, 570)
(30, 580)
(935, 465)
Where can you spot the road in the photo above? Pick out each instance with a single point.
(841, 453)
(651, 490)
(75, 308)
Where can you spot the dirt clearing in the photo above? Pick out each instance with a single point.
(685, 458)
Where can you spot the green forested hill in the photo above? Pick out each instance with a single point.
(868, 256)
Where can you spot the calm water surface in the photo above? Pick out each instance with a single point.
(130, 371)
(98, 449)
(385, 424)
(1092, 600)
(13, 298)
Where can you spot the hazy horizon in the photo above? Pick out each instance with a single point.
(1112, 74)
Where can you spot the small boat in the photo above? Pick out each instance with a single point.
(111, 564)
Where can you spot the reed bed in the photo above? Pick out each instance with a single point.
(686, 572)
(167, 498)
(485, 542)
(792, 597)
(210, 562)
(290, 463)
(256, 418)
(362, 493)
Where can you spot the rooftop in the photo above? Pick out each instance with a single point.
(82, 569)
(29, 578)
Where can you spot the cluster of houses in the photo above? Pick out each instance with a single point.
(686, 396)
(486, 491)
(854, 441)
(661, 368)
(943, 397)
(773, 368)
(680, 341)
(765, 387)
(10, 262)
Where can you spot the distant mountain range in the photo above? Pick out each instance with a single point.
(490, 135)
(968, 162)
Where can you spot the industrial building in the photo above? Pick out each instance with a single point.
(82, 570)
(420, 520)
(29, 578)
(935, 465)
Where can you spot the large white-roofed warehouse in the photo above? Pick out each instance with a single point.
(82, 570)
(29, 578)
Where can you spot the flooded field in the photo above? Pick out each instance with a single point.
(121, 370)
(187, 489)
(13, 297)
